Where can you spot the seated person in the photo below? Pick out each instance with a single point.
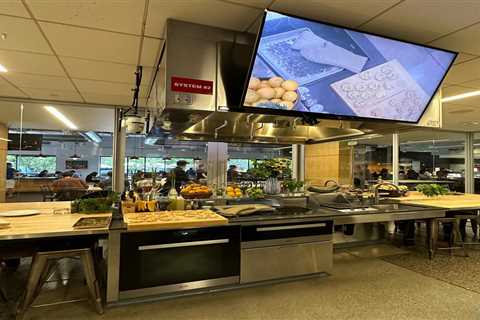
(68, 182)
(92, 177)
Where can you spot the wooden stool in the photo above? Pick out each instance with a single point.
(42, 265)
(455, 236)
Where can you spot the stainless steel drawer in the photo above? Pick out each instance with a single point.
(277, 262)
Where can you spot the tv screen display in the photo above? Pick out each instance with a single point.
(30, 142)
(307, 67)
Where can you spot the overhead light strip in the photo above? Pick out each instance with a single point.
(60, 116)
(461, 96)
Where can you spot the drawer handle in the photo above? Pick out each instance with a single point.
(300, 226)
(182, 244)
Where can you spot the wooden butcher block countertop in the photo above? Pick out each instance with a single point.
(452, 202)
(179, 219)
(46, 224)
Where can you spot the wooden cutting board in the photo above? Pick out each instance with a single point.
(178, 219)
(242, 209)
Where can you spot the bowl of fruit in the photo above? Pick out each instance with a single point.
(274, 93)
(234, 191)
(196, 191)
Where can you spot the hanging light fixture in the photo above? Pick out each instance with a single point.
(134, 121)
(75, 156)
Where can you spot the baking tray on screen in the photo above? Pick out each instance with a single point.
(277, 51)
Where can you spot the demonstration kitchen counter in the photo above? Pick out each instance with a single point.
(449, 202)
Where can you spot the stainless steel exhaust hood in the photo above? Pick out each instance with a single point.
(202, 72)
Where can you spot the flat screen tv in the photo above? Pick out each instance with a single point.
(304, 67)
(30, 142)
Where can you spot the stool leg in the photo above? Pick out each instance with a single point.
(38, 266)
(92, 283)
(3, 295)
(459, 238)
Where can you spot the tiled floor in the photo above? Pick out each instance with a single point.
(362, 286)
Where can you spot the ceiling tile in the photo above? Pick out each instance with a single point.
(472, 84)
(53, 94)
(108, 99)
(463, 57)
(92, 44)
(342, 12)
(124, 15)
(16, 61)
(463, 72)
(24, 80)
(208, 12)
(7, 90)
(150, 51)
(14, 8)
(22, 34)
(465, 40)
(106, 71)
(454, 90)
(107, 88)
(424, 21)
(262, 4)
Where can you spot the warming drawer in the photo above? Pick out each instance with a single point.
(276, 251)
(276, 262)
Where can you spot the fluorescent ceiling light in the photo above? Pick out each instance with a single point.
(4, 139)
(94, 136)
(60, 116)
(3, 69)
(462, 96)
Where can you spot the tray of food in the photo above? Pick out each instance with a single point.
(92, 222)
(278, 51)
(173, 219)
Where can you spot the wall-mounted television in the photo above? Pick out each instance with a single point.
(304, 67)
(76, 164)
(30, 142)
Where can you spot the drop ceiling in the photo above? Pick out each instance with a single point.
(87, 51)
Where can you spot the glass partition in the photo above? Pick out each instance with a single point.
(372, 159)
(432, 156)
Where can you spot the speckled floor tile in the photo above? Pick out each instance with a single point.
(375, 251)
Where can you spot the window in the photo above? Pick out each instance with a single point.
(242, 164)
(13, 160)
(33, 165)
(154, 164)
(135, 165)
(106, 165)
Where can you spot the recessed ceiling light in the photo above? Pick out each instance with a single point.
(60, 116)
(462, 96)
(3, 69)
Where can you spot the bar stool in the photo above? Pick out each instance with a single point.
(42, 265)
(455, 240)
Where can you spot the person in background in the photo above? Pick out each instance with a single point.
(232, 173)
(191, 173)
(107, 183)
(401, 174)
(201, 172)
(68, 182)
(384, 174)
(412, 174)
(43, 173)
(92, 177)
(10, 171)
(181, 176)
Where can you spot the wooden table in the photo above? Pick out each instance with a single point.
(44, 225)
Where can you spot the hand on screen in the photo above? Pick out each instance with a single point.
(319, 50)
